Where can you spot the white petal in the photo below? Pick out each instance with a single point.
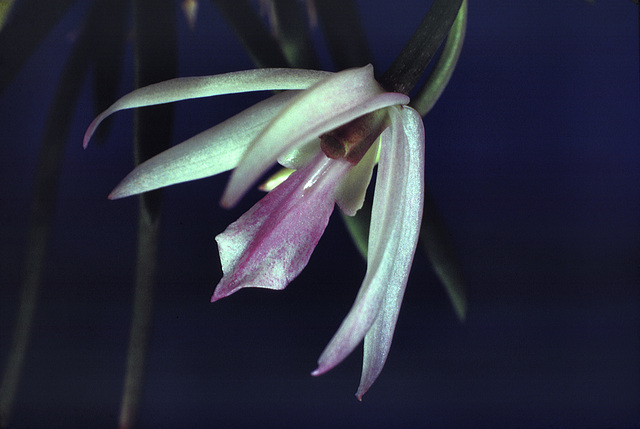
(408, 155)
(353, 188)
(207, 86)
(395, 222)
(330, 103)
(211, 152)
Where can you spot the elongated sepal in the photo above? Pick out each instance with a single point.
(207, 86)
(211, 152)
(395, 224)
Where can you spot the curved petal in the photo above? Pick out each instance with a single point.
(271, 243)
(330, 103)
(353, 188)
(211, 152)
(396, 214)
(207, 86)
(408, 154)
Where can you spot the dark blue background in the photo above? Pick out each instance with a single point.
(533, 157)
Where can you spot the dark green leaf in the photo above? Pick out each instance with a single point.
(405, 72)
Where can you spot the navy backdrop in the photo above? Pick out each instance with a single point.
(533, 158)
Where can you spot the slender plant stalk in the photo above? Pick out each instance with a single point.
(405, 71)
(5, 10)
(24, 324)
(26, 28)
(43, 207)
(342, 28)
(437, 81)
(256, 39)
(292, 33)
(156, 60)
(434, 237)
(436, 242)
(148, 231)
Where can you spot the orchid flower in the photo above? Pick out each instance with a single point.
(331, 128)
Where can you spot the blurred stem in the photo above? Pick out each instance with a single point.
(405, 71)
(24, 324)
(343, 32)
(436, 241)
(5, 10)
(148, 231)
(437, 81)
(29, 24)
(109, 55)
(257, 40)
(292, 33)
(156, 60)
(43, 208)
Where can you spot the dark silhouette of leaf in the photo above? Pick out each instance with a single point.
(43, 207)
(293, 35)
(406, 70)
(156, 53)
(257, 40)
(340, 22)
(29, 24)
(109, 46)
(437, 243)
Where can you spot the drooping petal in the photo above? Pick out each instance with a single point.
(330, 103)
(206, 86)
(397, 206)
(272, 242)
(353, 188)
(211, 152)
(407, 153)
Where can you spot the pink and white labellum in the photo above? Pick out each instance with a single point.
(330, 128)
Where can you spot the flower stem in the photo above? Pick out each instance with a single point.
(29, 24)
(342, 29)
(156, 60)
(148, 229)
(405, 72)
(437, 81)
(15, 362)
(292, 33)
(258, 42)
(43, 206)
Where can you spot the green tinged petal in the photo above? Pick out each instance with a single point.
(207, 86)
(211, 152)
